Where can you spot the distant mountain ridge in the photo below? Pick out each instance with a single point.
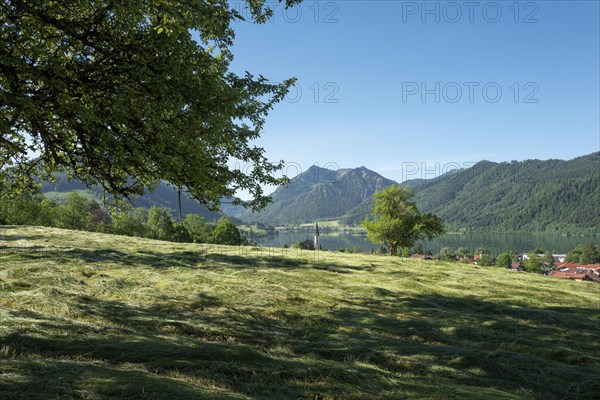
(529, 196)
(532, 196)
(317, 193)
(163, 196)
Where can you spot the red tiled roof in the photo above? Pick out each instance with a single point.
(575, 265)
(568, 276)
(573, 275)
(566, 264)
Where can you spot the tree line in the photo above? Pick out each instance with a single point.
(537, 259)
(85, 214)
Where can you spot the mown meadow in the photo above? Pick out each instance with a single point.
(97, 316)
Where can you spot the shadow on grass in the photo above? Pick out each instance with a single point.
(8, 228)
(228, 257)
(314, 260)
(186, 259)
(389, 346)
(551, 352)
(65, 379)
(385, 345)
(231, 366)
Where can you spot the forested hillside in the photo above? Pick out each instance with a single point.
(553, 195)
(533, 195)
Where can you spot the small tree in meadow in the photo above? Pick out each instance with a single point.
(533, 263)
(76, 212)
(130, 223)
(397, 222)
(196, 227)
(225, 232)
(160, 224)
(48, 212)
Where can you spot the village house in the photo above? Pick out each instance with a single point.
(515, 267)
(465, 260)
(577, 272)
(589, 267)
(558, 258)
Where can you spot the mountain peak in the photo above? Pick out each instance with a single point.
(485, 163)
(320, 193)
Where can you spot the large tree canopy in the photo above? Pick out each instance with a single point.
(397, 222)
(124, 94)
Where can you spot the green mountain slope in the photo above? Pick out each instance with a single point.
(532, 196)
(553, 195)
(316, 194)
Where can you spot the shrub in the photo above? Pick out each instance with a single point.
(504, 260)
(225, 232)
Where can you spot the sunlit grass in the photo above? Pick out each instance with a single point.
(330, 224)
(96, 316)
(250, 229)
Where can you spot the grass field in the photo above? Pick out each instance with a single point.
(92, 316)
(246, 229)
(330, 224)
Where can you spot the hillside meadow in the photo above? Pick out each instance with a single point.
(96, 316)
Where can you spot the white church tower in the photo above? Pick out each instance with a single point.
(317, 244)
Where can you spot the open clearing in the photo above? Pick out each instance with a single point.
(94, 316)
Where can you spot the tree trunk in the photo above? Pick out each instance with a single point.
(392, 248)
(179, 202)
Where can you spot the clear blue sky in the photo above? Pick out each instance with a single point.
(373, 58)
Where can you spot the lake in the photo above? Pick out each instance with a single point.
(495, 242)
